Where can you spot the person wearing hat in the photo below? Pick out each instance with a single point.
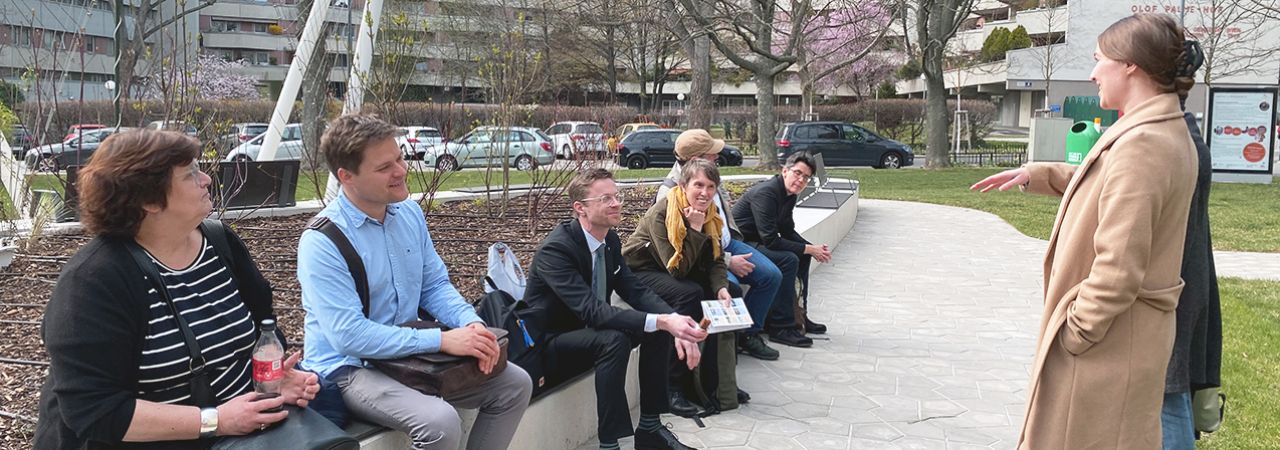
(745, 265)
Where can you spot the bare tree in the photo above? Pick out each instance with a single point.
(937, 21)
(648, 49)
(745, 32)
(131, 47)
(696, 45)
(1234, 34)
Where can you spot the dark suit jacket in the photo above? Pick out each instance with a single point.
(560, 283)
(764, 215)
(1197, 348)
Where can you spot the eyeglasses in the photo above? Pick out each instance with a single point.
(608, 199)
(800, 173)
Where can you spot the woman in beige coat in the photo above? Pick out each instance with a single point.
(1111, 275)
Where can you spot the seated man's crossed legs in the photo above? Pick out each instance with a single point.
(432, 422)
(608, 351)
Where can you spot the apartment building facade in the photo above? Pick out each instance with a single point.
(1035, 81)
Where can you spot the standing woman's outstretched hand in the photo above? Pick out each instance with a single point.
(1003, 180)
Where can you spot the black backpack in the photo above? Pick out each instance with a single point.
(523, 323)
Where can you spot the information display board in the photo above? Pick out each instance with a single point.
(1241, 130)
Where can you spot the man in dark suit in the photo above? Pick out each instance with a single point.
(764, 216)
(574, 272)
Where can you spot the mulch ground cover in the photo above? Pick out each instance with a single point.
(462, 232)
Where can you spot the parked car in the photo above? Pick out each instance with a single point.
(20, 140)
(419, 142)
(843, 144)
(523, 148)
(656, 148)
(75, 151)
(75, 130)
(569, 138)
(290, 146)
(173, 125)
(239, 134)
(627, 128)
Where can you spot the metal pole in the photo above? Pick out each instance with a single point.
(293, 80)
(117, 9)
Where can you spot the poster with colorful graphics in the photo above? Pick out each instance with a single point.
(1241, 130)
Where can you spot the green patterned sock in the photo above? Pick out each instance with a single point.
(609, 446)
(649, 422)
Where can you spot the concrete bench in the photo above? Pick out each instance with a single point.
(564, 418)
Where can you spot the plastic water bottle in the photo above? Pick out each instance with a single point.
(268, 361)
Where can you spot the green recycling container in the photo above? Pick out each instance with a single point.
(1080, 139)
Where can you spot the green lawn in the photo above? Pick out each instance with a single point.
(1243, 216)
(1250, 365)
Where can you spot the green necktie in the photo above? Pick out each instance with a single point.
(599, 283)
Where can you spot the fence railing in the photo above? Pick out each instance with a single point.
(988, 158)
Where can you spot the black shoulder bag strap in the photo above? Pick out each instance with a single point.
(354, 264)
(201, 384)
(216, 233)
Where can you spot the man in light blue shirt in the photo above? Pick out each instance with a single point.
(404, 274)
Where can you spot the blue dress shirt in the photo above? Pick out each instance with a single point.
(405, 273)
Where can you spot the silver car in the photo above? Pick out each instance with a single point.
(75, 151)
(523, 148)
(290, 146)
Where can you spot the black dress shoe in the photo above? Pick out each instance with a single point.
(681, 406)
(662, 439)
(791, 337)
(814, 327)
(743, 397)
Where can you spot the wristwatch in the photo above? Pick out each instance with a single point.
(208, 422)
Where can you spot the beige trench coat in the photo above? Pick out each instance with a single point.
(1111, 279)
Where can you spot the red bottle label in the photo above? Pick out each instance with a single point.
(267, 370)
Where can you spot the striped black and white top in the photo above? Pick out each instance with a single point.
(207, 298)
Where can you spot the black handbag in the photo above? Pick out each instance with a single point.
(303, 429)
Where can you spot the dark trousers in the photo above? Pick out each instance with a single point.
(782, 314)
(685, 296)
(571, 353)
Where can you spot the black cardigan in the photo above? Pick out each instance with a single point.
(1197, 348)
(765, 216)
(94, 329)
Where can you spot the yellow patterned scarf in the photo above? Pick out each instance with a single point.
(676, 203)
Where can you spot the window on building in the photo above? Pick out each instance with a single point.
(220, 26)
(259, 28)
(89, 43)
(22, 36)
(260, 58)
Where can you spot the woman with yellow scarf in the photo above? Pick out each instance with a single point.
(676, 252)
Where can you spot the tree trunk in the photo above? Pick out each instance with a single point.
(936, 113)
(936, 116)
(765, 120)
(700, 88)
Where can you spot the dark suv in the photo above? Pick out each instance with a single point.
(656, 148)
(843, 144)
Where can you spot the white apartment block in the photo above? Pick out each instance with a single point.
(1066, 36)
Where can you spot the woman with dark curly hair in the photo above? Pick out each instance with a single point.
(1112, 273)
(121, 375)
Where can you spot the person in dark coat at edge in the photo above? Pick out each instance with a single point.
(1197, 347)
(765, 216)
(576, 269)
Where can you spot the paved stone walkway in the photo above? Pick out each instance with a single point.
(933, 312)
